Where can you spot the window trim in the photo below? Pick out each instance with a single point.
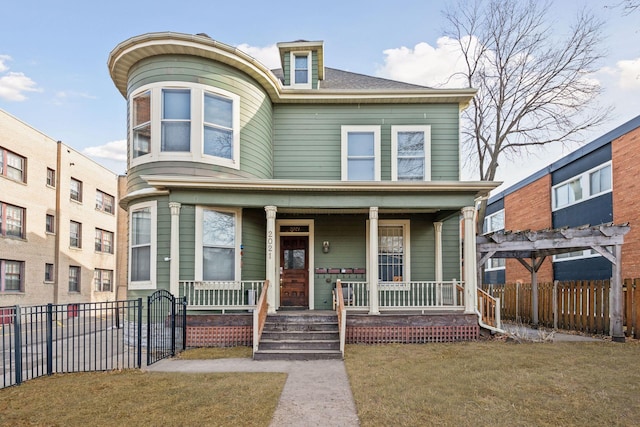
(153, 210)
(101, 248)
(4, 223)
(79, 277)
(345, 130)
(196, 153)
(406, 237)
(100, 205)
(4, 165)
(53, 276)
(490, 267)
(3, 283)
(292, 69)
(53, 224)
(51, 178)
(80, 195)
(586, 253)
(426, 130)
(585, 186)
(237, 212)
(489, 217)
(100, 272)
(79, 238)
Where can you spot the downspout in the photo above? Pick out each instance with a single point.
(56, 262)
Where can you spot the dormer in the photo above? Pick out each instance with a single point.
(302, 63)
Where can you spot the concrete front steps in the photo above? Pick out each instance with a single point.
(300, 335)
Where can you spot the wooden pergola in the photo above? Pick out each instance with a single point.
(531, 248)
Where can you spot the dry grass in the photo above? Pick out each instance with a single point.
(216, 353)
(136, 398)
(496, 384)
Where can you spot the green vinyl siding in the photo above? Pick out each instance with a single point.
(187, 242)
(422, 238)
(255, 113)
(163, 242)
(254, 226)
(307, 138)
(451, 249)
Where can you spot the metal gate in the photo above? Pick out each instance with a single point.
(166, 327)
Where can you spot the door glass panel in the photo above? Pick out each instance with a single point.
(294, 259)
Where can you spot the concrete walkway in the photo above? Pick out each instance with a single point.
(316, 393)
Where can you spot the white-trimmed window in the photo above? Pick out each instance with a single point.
(185, 122)
(12, 165)
(142, 245)
(11, 276)
(495, 264)
(587, 185)
(360, 153)
(493, 222)
(575, 255)
(410, 153)
(301, 70)
(218, 234)
(103, 280)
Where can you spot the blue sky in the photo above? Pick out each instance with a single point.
(53, 55)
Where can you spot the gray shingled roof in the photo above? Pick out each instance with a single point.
(340, 79)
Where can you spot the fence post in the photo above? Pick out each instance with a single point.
(184, 323)
(173, 326)
(517, 300)
(555, 304)
(18, 344)
(49, 339)
(139, 325)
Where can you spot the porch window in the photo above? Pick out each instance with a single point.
(142, 257)
(393, 251)
(361, 153)
(410, 149)
(217, 232)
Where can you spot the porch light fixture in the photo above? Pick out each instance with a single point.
(325, 246)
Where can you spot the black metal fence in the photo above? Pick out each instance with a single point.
(166, 325)
(80, 337)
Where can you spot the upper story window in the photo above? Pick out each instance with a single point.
(410, 153)
(361, 153)
(104, 202)
(50, 224)
(74, 278)
(142, 248)
(185, 122)
(75, 234)
(76, 190)
(301, 69)
(582, 187)
(495, 264)
(13, 166)
(11, 276)
(217, 244)
(51, 177)
(11, 220)
(104, 241)
(103, 280)
(493, 222)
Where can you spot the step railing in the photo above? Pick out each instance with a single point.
(260, 316)
(489, 308)
(221, 295)
(342, 315)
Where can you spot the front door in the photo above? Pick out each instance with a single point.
(294, 271)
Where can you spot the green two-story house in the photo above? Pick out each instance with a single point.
(299, 176)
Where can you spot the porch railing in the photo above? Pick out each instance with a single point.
(260, 316)
(221, 295)
(404, 295)
(489, 308)
(342, 315)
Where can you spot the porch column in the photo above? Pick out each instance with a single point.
(373, 261)
(470, 261)
(438, 229)
(174, 250)
(271, 258)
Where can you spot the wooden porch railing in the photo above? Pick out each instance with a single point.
(221, 295)
(260, 316)
(489, 308)
(342, 315)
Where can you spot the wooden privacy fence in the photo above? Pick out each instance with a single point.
(575, 305)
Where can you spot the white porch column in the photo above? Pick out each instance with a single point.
(174, 250)
(274, 280)
(470, 261)
(438, 228)
(373, 261)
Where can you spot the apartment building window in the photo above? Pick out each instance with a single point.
(11, 276)
(410, 152)
(105, 202)
(142, 241)
(141, 128)
(187, 121)
(74, 278)
(104, 241)
(48, 273)
(51, 177)
(360, 153)
(493, 222)
(75, 234)
(12, 165)
(50, 224)
(76, 190)
(12, 220)
(103, 280)
(591, 183)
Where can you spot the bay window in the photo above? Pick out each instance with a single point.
(176, 120)
(141, 124)
(142, 250)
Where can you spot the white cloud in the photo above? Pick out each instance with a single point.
(14, 85)
(425, 64)
(629, 74)
(3, 66)
(114, 150)
(268, 55)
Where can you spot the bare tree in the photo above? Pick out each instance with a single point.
(533, 81)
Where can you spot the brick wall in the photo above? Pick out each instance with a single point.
(529, 208)
(625, 156)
